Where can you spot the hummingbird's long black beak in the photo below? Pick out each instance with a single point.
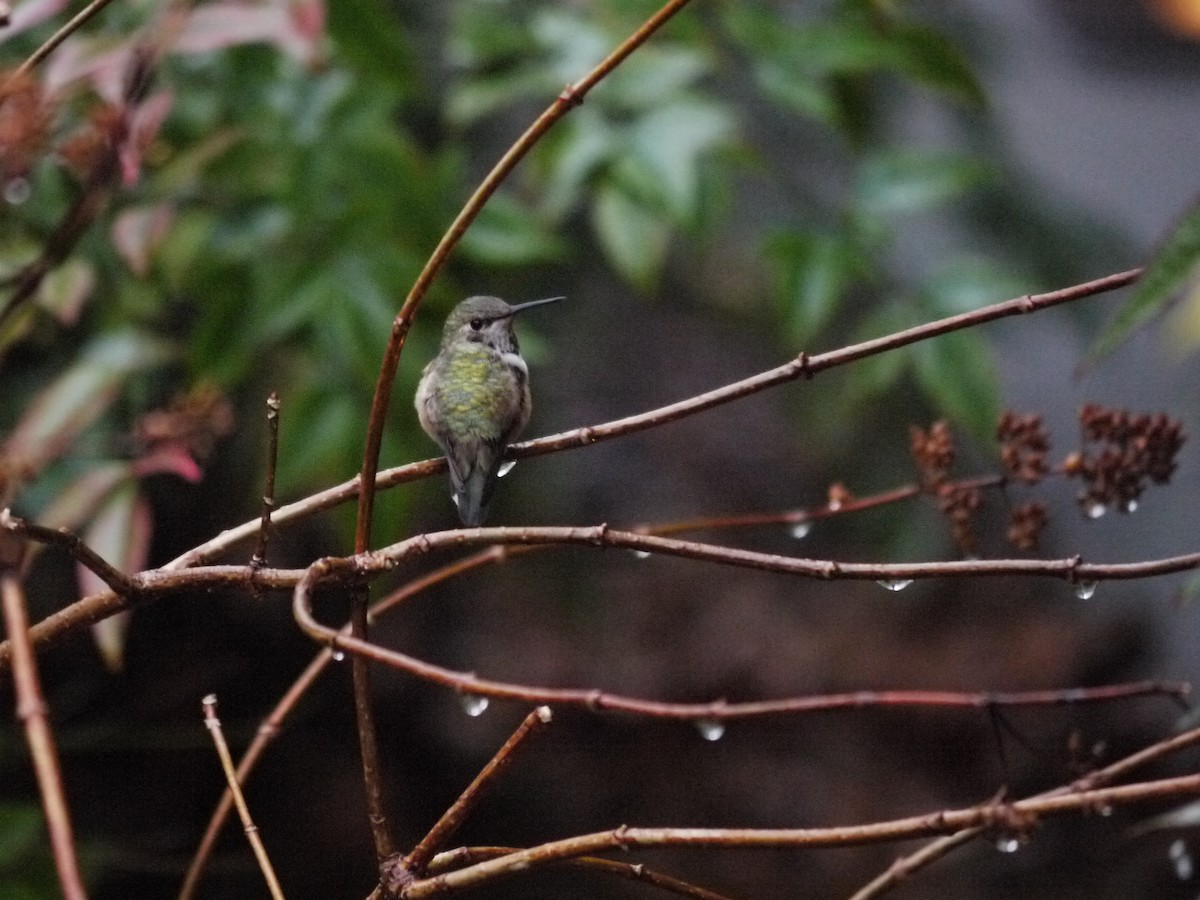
(513, 310)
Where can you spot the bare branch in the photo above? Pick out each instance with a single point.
(268, 500)
(455, 859)
(31, 712)
(1001, 816)
(260, 852)
(52, 43)
(449, 823)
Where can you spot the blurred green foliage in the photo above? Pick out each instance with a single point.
(302, 174)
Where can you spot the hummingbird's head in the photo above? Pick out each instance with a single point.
(485, 320)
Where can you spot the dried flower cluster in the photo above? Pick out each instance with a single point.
(934, 454)
(195, 420)
(1023, 446)
(1134, 450)
(1025, 525)
(25, 118)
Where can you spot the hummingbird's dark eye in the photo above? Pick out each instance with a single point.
(476, 324)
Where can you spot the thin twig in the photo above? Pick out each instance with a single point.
(268, 499)
(463, 856)
(63, 537)
(76, 22)
(213, 724)
(906, 866)
(269, 729)
(1000, 816)
(31, 712)
(450, 821)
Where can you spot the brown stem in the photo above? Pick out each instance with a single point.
(455, 859)
(213, 724)
(31, 712)
(1001, 816)
(906, 866)
(450, 821)
(268, 499)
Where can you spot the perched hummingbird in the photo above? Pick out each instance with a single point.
(473, 397)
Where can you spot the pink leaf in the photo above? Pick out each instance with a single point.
(171, 459)
(30, 13)
(138, 232)
(120, 533)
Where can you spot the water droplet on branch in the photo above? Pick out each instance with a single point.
(710, 729)
(1181, 860)
(801, 530)
(895, 584)
(474, 704)
(505, 467)
(1085, 590)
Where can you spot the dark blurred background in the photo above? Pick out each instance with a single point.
(808, 188)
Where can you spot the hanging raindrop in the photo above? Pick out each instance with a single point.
(710, 729)
(1085, 590)
(1008, 844)
(338, 655)
(895, 584)
(1096, 510)
(505, 467)
(642, 554)
(473, 704)
(1181, 860)
(801, 530)
(1131, 506)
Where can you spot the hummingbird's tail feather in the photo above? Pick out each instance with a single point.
(473, 477)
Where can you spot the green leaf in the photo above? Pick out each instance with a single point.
(1167, 273)
(968, 284)
(634, 239)
(928, 56)
(956, 371)
(20, 833)
(672, 142)
(508, 234)
(877, 375)
(570, 155)
(902, 181)
(368, 33)
(813, 272)
(655, 75)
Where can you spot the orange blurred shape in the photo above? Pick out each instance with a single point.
(1180, 16)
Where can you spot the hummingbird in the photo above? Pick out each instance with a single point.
(473, 397)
